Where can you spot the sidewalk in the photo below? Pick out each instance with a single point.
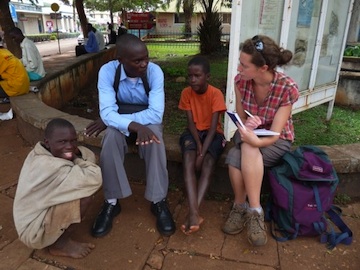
(134, 242)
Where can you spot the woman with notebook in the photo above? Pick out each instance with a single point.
(267, 95)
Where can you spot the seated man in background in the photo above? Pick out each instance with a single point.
(91, 45)
(55, 188)
(31, 57)
(14, 80)
(122, 30)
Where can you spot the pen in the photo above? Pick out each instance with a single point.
(249, 114)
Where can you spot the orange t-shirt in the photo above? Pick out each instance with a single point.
(203, 106)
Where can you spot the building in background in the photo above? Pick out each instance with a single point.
(39, 18)
(169, 20)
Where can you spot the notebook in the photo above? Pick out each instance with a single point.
(259, 132)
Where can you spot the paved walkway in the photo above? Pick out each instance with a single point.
(134, 242)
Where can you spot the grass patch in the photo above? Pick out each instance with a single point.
(311, 126)
(163, 51)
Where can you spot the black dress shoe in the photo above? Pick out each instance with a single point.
(164, 221)
(103, 222)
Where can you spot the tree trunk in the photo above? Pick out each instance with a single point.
(82, 17)
(6, 24)
(111, 7)
(188, 8)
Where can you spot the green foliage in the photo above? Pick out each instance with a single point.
(209, 30)
(342, 199)
(175, 71)
(119, 5)
(352, 51)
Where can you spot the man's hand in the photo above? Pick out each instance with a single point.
(95, 127)
(145, 136)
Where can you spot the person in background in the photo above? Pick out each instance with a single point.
(100, 38)
(269, 96)
(55, 188)
(91, 45)
(111, 34)
(203, 141)
(14, 80)
(31, 57)
(130, 113)
(122, 30)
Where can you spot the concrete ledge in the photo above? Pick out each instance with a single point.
(33, 115)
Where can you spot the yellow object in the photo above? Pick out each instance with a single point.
(14, 78)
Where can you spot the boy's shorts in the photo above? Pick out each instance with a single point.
(216, 147)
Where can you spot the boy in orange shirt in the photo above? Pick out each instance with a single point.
(203, 140)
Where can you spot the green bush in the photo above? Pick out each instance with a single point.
(210, 29)
(175, 71)
(352, 51)
(51, 36)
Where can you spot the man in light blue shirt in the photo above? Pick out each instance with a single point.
(133, 104)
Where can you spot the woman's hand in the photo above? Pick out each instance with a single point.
(253, 122)
(247, 135)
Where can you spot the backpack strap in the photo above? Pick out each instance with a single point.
(117, 81)
(285, 236)
(278, 234)
(345, 234)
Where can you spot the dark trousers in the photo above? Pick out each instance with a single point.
(3, 93)
(80, 50)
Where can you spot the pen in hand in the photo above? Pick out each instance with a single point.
(249, 114)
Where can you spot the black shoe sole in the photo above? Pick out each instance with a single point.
(167, 234)
(116, 212)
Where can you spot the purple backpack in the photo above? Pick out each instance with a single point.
(303, 186)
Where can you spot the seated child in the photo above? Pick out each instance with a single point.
(55, 187)
(203, 141)
(31, 57)
(14, 80)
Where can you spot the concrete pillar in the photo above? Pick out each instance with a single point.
(354, 28)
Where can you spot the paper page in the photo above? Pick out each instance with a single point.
(265, 132)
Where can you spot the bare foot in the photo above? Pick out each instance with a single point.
(71, 248)
(196, 221)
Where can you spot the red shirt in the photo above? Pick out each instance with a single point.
(284, 91)
(203, 106)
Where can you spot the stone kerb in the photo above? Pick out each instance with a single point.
(79, 73)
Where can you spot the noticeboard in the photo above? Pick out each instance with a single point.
(140, 20)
